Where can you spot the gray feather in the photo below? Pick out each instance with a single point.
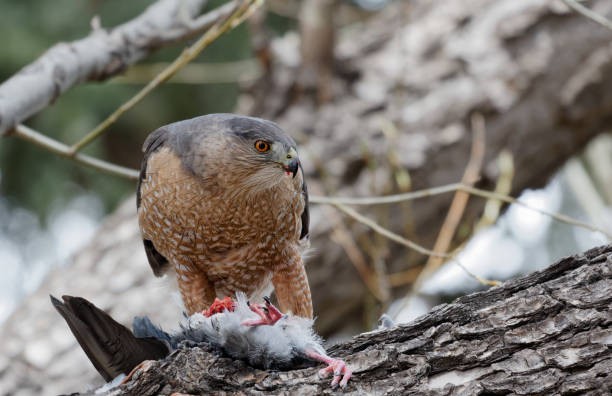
(279, 346)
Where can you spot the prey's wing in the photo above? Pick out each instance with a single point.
(110, 346)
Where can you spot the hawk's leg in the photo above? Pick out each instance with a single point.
(342, 373)
(268, 315)
(197, 291)
(292, 289)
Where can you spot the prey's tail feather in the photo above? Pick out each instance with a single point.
(110, 346)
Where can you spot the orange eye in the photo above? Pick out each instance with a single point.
(262, 146)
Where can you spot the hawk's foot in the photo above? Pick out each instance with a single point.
(218, 306)
(268, 314)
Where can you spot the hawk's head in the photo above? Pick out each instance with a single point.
(247, 151)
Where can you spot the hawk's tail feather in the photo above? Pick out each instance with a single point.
(110, 346)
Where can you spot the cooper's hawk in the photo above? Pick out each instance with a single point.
(222, 201)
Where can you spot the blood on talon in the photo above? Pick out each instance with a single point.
(218, 306)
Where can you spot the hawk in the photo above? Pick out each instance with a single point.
(222, 201)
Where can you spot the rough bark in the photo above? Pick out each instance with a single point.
(548, 333)
(101, 55)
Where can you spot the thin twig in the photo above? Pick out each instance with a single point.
(557, 216)
(37, 138)
(343, 237)
(386, 199)
(190, 53)
(492, 207)
(460, 200)
(388, 233)
(408, 243)
(451, 188)
(194, 73)
(61, 149)
(595, 17)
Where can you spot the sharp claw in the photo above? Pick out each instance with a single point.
(268, 314)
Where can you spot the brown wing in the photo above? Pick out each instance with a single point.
(153, 142)
(305, 213)
(110, 346)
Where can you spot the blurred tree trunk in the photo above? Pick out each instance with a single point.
(397, 117)
(404, 85)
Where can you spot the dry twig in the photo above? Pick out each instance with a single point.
(579, 8)
(428, 192)
(460, 200)
(344, 238)
(63, 150)
(491, 211)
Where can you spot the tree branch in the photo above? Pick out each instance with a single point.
(595, 17)
(101, 55)
(221, 26)
(546, 333)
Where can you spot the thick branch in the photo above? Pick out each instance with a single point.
(547, 333)
(100, 55)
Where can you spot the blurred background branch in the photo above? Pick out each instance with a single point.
(101, 55)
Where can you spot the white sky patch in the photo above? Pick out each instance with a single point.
(528, 226)
(403, 311)
(489, 254)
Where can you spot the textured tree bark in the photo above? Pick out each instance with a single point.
(548, 333)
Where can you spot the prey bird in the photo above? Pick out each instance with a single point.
(222, 201)
(235, 328)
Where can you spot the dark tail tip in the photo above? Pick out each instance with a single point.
(110, 346)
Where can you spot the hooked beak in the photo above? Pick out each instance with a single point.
(292, 167)
(291, 163)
